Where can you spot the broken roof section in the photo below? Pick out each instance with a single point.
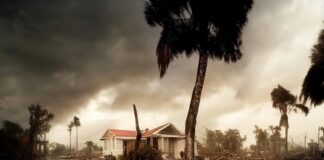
(166, 130)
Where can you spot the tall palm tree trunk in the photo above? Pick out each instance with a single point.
(138, 136)
(45, 145)
(286, 140)
(193, 108)
(76, 143)
(33, 147)
(70, 144)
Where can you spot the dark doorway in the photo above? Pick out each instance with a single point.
(155, 143)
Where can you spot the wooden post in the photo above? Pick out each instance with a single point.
(318, 136)
(305, 142)
(138, 135)
(162, 144)
(292, 144)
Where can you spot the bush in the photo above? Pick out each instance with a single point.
(122, 157)
(144, 153)
(110, 157)
(149, 153)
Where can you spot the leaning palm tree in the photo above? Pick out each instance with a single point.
(70, 126)
(284, 101)
(76, 123)
(210, 28)
(313, 87)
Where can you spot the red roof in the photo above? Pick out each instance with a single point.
(118, 133)
(150, 132)
(128, 133)
(123, 133)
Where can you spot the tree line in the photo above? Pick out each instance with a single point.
(17, 143)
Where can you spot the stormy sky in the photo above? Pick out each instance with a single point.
(94, 59)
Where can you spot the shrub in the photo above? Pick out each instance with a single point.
(149, 153)
(110, 157)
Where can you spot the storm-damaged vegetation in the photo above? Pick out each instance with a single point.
(31, 143)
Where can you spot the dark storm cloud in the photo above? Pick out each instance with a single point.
(60, 53)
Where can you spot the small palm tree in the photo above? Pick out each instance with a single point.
(313, 85)
(76, 123)
(212, 29)
(233, 140)
(284, 101)
(70, 126)
(322, 137)
(262, 139)
(275, 139)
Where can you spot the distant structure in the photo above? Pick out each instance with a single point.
(41, 147)
(313, 147)
(166, 138)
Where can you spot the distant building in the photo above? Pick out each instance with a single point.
(321, 146)
(313, 147)
(166, 138)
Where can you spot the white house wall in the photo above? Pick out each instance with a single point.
(116, 148)
(166, 145)
(160, 144)
(112, 146)
(119, 147)
(179, 146)
(107, 150)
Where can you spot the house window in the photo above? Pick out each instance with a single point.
(105, 145)
(148, 141)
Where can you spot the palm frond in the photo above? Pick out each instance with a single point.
(164, 55)
(302, 107)
(322, 129)
(318, 50)
(322, 139)
(208, 27)
(163, 12)
(226, 43)
(76, 121)
(173, 42)
(313, 85)
(282, 97)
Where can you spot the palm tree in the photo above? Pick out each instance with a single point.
(70, 126)
(89, 148)
(210, 28)
(76, 123)
(313, 86)
(214, 141)
(284, 101)
(262, 139)
(321, 138)
(275, 139)
(233, 140)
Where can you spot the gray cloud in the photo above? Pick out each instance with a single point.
(62, 53)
